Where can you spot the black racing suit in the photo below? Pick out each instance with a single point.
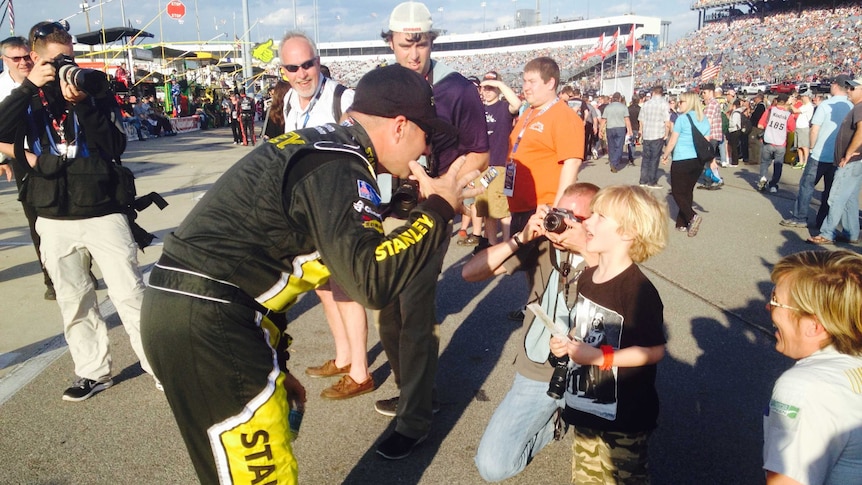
(257, 240)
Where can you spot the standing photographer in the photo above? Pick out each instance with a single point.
(74, 136)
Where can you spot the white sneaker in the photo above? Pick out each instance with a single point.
(773, 190)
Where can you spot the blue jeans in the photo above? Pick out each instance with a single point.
(632, 146)
(813, 172)
(649, 161)
(136, 123)
(616, 139)
(722, 151)
(844, 202)
(774, 154)
(521, 426)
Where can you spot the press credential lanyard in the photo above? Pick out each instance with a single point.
(64, 148)
(313, 102)
(509, 184)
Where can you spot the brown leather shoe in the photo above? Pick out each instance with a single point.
(328, 369)
(346, 388)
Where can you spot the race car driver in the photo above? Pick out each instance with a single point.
(281, 220)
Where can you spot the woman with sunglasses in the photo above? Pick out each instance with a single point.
(686, 168)
(813, 425)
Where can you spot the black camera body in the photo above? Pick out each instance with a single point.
(93, 82)
(405, 198)
(555, 221)
(557, 384)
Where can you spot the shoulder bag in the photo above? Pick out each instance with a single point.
(702, 146)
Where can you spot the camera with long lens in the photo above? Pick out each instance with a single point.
(555, 221)
(91, 81)
(557, 384)
(405, 198)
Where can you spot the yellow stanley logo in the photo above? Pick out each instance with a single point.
(286, 139)
(409, 237)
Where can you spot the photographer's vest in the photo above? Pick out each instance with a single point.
(81, 185)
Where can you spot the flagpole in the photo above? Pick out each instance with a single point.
(617, 61)
(602, 76)
(634, 49)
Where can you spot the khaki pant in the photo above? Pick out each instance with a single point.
(408, 330)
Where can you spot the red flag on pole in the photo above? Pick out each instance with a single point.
(610, 44)
(632, 45)
(597, 49)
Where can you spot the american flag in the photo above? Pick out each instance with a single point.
(711, 70)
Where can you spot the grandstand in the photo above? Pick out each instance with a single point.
(502, 50)
(726, 10)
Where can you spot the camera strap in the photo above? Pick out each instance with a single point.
(62, 147)
(564, 269)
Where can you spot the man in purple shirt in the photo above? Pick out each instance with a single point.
(408, 325)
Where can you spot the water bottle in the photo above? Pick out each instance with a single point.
(294, 418)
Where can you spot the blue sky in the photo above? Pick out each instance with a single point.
(338, 20)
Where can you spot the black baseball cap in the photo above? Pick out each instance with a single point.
(395, 90)
(841, 80)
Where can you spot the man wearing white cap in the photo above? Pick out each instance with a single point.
(408, 325)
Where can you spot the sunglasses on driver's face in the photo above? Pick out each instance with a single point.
(305, 65)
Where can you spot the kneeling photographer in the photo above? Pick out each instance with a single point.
(69, 119)
(551, 249)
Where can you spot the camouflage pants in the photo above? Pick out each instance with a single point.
(607, 457)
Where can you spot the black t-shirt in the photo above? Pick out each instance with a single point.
(846, 132)
(634, 112)
(499, 121)
(626, 311)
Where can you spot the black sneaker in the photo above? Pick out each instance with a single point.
(483, 245)
(398, 446)
(389, 407)
(83, 388)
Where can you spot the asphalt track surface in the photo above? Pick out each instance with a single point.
(714, 381)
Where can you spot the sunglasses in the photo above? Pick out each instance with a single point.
(305, 65)
(774, 304)
(427, 135)
(48, 29)
(17, 59)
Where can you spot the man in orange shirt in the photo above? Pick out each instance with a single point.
(546, 146)
(545, 149)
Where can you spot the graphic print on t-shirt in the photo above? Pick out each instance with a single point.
(591, 389)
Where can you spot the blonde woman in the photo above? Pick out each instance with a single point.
(685, 167)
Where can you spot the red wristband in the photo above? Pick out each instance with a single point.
(608, 354)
